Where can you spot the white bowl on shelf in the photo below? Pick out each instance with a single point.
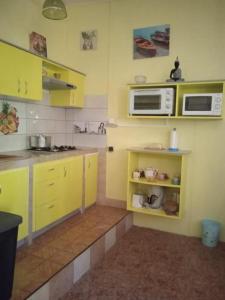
(140, 78)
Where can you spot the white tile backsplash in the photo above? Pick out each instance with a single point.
(13, 142)
(59, 139)
(91, 115)
(60, 126)
(40, 117)
(90, 140)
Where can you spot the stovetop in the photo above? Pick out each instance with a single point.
(54, 148)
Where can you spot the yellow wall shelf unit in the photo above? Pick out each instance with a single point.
(172, 163)
(181, 88)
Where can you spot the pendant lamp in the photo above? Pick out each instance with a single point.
(54, 10)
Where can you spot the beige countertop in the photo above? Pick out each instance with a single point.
(23, 158)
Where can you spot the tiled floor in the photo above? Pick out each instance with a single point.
(152, 265)
(55, 249)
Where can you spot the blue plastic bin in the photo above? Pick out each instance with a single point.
(210, 232)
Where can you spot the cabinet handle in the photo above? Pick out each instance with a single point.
(51, 206)
(65, 172)
(26, 90)
(18, 90)
(51, 184)
(0, 190)
(52, 169)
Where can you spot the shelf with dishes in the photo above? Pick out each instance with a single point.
(166, 183)
(156, 182)
(201, 100)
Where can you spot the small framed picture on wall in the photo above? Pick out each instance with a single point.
(88, 40)
(38, 44)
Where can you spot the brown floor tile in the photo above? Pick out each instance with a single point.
(19, 295)
(62, 258)
(57, 247)
(40, 275)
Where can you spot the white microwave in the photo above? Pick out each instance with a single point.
(151, 101)
(209, 104)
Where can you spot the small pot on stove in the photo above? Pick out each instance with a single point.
(40, 141)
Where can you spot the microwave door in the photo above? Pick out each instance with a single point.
(147, 104)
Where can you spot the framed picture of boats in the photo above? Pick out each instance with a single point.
(151, 41)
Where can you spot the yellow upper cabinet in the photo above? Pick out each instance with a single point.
(14, 185)
(91, 178)
(78, 94)
(21, 73)
(70, 97)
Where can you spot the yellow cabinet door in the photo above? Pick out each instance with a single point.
(70, 98)
(14, 186)
(72, 184)
(78, 94)
(46, 214)
(46, 193)
(91, 176)
(9, 79)
(21, 73)
(31, 76)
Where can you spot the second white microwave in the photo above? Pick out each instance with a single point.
(209, 104)
(151, 101)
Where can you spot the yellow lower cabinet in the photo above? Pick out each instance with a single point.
(46, 193)
(71, 184)
(46, 214)
(46, 171)
(14, 187)
(91, 177)
(57, 190)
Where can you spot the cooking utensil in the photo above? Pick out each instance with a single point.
(40, 141)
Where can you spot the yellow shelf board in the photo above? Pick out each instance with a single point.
(152, 117)
(178, 83)
(159, 151)
(166, 183)
(155, 212)
(176, 117)
(199, 118)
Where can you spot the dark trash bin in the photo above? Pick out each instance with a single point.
(8, 240)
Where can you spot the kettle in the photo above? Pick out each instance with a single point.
(151, 173)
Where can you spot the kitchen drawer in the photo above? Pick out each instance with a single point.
(45, 191)
(46, 214)
(46, 171)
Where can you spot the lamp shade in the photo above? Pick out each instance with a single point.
(54, 10)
